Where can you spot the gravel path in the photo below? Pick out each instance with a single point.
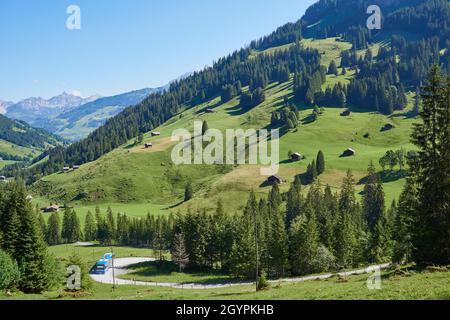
(121, 264)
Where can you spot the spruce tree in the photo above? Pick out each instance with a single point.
(53, 235)
(431, 172)
(31, 252)
(304, 242)
(188, 192)
(402, 236)
(77, 234)
(90, 227)
(373, 198)
(67, 225)
(320, 163)
(278, 246)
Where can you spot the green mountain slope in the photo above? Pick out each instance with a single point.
(145, 180)
(21, 142)
(114, 172)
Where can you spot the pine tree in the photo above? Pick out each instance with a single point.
(53, 235)
(320, 163)
(380, 249)
(294, 202)
(244, 258)
(30, 251)
(67, 225)
(41, 221)
(432, 174)
(77, 235)
(403, 222)
(188, 192)
(110, 226)
(304, 242)
(278, 246)
(90, 227)
(373, 199)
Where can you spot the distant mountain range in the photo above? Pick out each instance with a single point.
(70, 116)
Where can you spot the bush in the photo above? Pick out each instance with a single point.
(9, 272)
(263, 283)
(324, 260)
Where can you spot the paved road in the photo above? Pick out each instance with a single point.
(120, 268)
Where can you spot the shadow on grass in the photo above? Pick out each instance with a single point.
(387, 176)
(167, 268)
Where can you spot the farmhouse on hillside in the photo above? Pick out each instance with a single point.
(2, 178)
(296, 156)
(387, 127)
(156, 134)
(210, 110)
(275, 179)
(346, 113)
(76, 167)
(66, 169)
(148, 145)
(349, 153)
(52, 208)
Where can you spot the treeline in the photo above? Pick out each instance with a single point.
(109, 229)
(158, 108)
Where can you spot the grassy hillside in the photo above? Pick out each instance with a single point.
(135, 180)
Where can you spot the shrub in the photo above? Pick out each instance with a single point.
(324, 260)
(263, 283)
(9, 272)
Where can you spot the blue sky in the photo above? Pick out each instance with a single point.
(124, 45)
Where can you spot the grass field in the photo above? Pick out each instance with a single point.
(412, 285)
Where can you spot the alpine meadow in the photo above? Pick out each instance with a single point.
(165, 194)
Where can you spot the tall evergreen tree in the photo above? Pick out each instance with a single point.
(402, 236)
(373, 199)
(320, 163)
(431, 172)
(90, 227)
(304, 239)
(53, 235)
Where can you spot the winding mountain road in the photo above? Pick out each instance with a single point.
(121, 267)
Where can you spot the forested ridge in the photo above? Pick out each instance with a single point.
(21, 134)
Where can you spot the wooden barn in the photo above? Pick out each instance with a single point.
(296, 156)
(148, 145)
(275, 179)
(52, 208)
(346, 113)
(349, 152)
(156, 134)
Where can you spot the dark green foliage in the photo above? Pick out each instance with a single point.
(53, 235)
(320, 163)
(332, 69)
(373, 199)
(22, 238)
(431, 173)
(90, 227)
(403, 220)
(71, 229)
(9, 275)
(188, 192)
